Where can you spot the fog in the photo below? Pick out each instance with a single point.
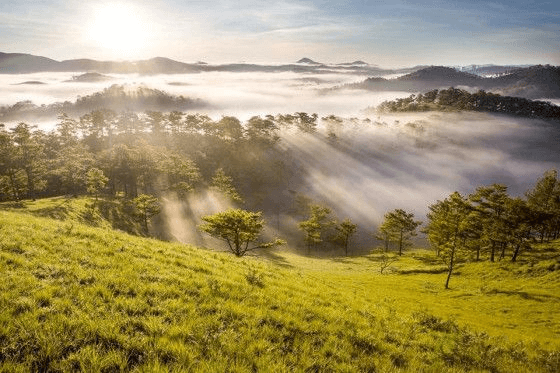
(368, 165)
(239, 94)
(410, 161)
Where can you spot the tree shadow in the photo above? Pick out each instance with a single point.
(272, 255)
(59, 212)
(523, 294)
(433, 271)
(427, 259)
(121, 215)
(13, 205)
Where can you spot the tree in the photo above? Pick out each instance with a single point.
(9, 165)
(67, 129)
(447, 229)
(400, 226)
(147, 206)
(29, 156)
(315, 225)
(238, 228)
(384, 234)
(96, 181)
(345, 230)
(519, 219)
(385, 261)
(544, 200)
(224, 184)
(182, 174)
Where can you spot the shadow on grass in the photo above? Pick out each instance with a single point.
(428, 259)
(13, 205)
(523, 294)
(272, 255)
(121, 214)
(342, 259)
(433, 271)
(59, 212)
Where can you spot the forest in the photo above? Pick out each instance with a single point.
(127, 155)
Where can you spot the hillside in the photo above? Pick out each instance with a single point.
(117, 97)
(453, 99)
(533, 82)
(82, 298)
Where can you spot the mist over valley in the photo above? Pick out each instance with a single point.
(359, 161)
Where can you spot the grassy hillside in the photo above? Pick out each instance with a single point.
(79, 298)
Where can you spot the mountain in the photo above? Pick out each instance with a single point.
(355, 63)
(441, 75)
(532, 82)
(19, 63)
(308, 61)
(13, 63)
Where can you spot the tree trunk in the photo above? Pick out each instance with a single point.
(30, 184)
(515, 252)
(503, 254)
(386, 243)
(400, 243)
(14, 187)
(451, 263)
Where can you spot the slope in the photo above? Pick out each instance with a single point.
(80, 298)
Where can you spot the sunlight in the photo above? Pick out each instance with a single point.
(119, 27)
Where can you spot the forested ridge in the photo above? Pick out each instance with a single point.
(455, 99)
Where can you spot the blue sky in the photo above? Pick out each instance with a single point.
(387, 33)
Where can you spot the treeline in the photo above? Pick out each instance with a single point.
(493, 225)
(133, 156)
(454, 99)
(149, 152)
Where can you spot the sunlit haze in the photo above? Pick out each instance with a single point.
(396, 33)
(118, 27)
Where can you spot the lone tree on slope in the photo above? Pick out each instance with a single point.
(238, 228)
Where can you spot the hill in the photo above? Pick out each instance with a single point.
(82, 298)
(116, 97)
(533, 82)
(20, 63)
(308, 61)
(90, 77)
(453, 99)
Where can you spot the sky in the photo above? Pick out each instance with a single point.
(395, 33)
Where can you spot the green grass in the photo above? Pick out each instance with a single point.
(79, 298)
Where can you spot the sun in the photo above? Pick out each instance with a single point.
(119, 27)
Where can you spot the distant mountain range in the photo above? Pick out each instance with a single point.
(19, 63)
(530, 82)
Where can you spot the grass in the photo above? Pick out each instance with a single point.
(75, 297)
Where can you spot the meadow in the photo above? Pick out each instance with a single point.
(79, 295)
